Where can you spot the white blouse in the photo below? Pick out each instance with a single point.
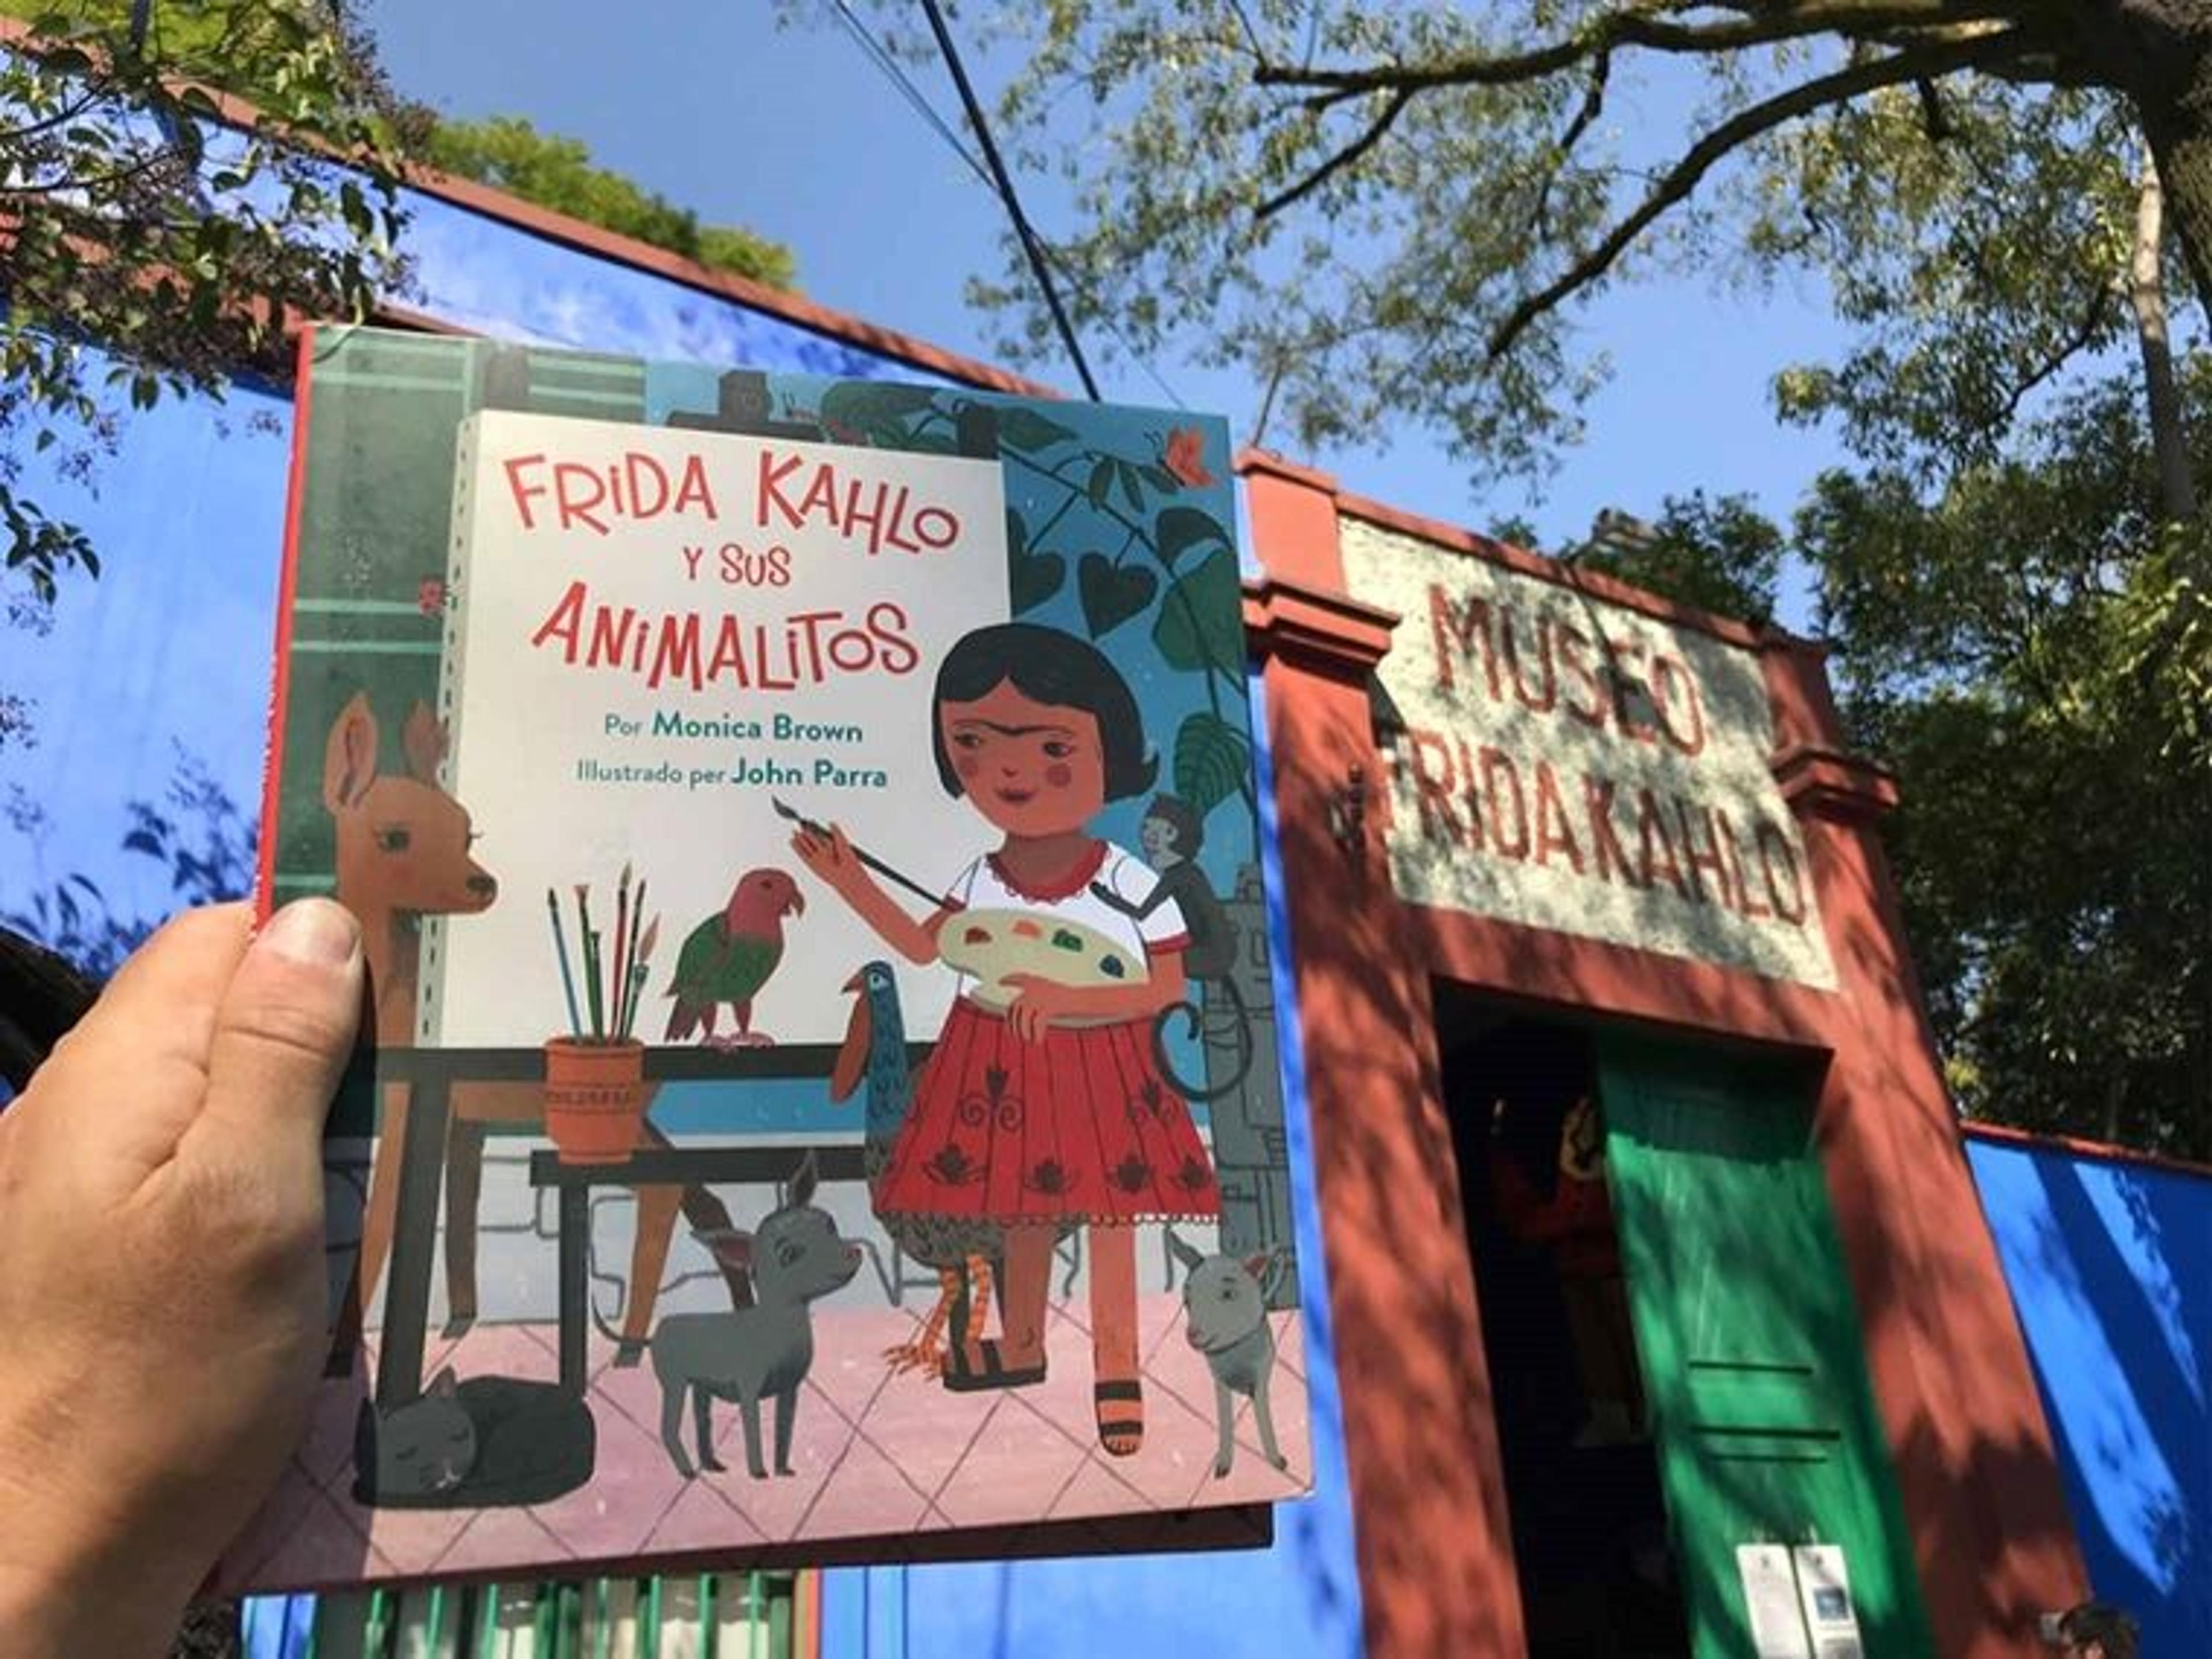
(983, 886)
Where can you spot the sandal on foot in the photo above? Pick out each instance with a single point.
(1120, 1410)
(993, 1373)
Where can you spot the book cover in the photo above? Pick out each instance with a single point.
(825, 1100)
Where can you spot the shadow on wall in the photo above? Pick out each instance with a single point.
(195, 834)
(2107, 1266)
(1405, 1314)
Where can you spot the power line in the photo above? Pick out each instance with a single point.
(1040, 266)
(881, 56)
(887, 64)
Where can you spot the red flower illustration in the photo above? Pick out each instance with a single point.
(951, 1167)
(430, 596)
(1049, 1177)
(1186, 457)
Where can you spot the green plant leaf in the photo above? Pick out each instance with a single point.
(1212, 760)
(1179, 529)
(1132, 487)
(1035, 578)
(1111, 596)
(1022, 428)
(1201, 624)
(1102, 480)
(878, 411)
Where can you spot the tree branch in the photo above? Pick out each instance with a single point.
(1935, 119)
(2092, 325)
(1601, 71)
(98, 181)
(1640, 29)
(1337, 163)
(2177, 486)
(1740, 129)
(60, 118)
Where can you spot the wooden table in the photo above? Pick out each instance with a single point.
(430, 1075)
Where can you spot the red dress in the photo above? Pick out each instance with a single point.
(1077, 1126)
(1576, 1221)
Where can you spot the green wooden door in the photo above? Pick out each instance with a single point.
(1762, 1412)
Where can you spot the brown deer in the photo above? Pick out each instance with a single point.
(403, 854)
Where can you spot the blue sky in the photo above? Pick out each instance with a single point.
(793, 133)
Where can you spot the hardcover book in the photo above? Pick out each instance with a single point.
(824, 1102)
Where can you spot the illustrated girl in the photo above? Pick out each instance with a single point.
(1048, 1111)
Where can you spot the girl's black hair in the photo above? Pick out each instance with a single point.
(1053, 668)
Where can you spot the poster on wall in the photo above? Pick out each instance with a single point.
(825, 1090)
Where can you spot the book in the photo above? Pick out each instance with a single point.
(824, 1102)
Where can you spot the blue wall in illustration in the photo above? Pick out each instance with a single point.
(2110, 1265)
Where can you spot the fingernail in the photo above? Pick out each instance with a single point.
(314, 930)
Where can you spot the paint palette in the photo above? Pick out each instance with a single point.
(994, 945)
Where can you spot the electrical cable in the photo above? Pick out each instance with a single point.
(881, 56)
(1040, 266)
(887, 64)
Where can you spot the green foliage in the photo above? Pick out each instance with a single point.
(509, 153)
(156, 250)
(1722, 556)
(1212, 758)
(1974, 266)
(1200, 628)
(159, 243)
(2033, 653)
(1391, 212)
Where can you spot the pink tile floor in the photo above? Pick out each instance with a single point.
(873, 1455)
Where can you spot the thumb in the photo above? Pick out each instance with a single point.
(283, 1035)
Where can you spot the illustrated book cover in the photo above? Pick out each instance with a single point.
(825, 1100)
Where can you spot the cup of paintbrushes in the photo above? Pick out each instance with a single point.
(594, 1097)
(595, 1094)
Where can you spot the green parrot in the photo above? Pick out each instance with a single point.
(730, 956)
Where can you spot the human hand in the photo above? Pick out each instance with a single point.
(824, 851)
(1581, 1141)
(162, 1286)
(1038, 1004)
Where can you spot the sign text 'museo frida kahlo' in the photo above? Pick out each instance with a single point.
(1565, 763)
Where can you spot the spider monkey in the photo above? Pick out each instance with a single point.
(1172, 835)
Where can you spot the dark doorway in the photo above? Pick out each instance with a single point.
(1598, 1579)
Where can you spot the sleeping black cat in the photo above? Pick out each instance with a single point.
(485, 1443)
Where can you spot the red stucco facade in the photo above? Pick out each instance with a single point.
(1950, 1371)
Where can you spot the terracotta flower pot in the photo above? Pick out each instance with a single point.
(594, 1098)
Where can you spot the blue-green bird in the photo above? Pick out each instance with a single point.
(730, 956)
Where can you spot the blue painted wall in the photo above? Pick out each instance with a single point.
(2110, 1265)
(165, 657)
